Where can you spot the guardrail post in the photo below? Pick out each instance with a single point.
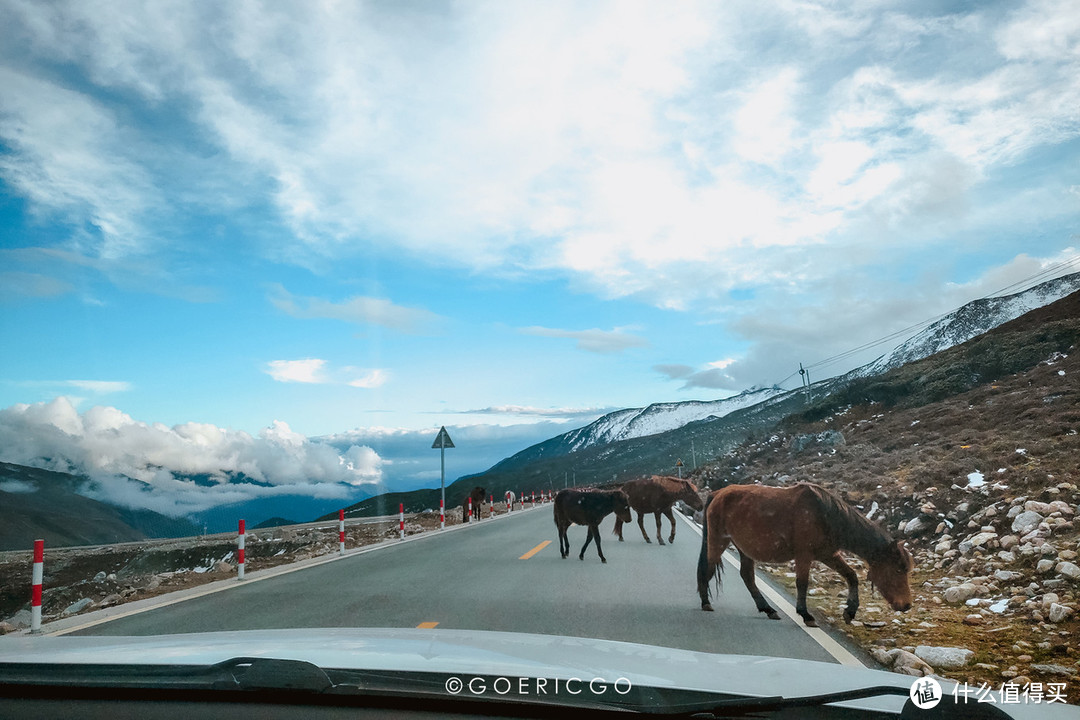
(35, 591)
(240, 537)
(341, 532)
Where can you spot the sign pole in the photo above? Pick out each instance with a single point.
(442, 441)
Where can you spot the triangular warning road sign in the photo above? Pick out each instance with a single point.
(443, 439)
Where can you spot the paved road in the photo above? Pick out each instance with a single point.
(475, 579)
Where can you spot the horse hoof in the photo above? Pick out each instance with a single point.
(603, 560)
(848, 617)
(810, 622)
(671, 539)
(648, 541)
(620, 539)
(706, 607)
(772, 615)
(660, 541)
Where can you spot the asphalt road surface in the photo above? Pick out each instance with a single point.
(496, 576)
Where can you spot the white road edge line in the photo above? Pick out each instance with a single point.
(231, 583)
(819, 636)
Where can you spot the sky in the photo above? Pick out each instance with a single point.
(293, 239)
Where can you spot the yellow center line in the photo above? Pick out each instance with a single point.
(426, 625)
(535, 550)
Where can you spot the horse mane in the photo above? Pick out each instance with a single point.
(847, 526)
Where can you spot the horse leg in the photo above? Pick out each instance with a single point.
(836, 562)
(659, 530)
(564, 542)
(706, 571)
(588, 540)
(618, 528)
(671, 519)
(746, 572)
(596, 531)
(641, 524)
(802, 581)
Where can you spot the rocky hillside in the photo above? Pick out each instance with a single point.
(971, 456)
(37, 503)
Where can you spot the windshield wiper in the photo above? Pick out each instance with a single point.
(744, 706)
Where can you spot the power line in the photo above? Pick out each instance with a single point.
(1025, 283)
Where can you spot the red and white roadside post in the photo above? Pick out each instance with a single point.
(240, 537)
(341, 531)
(35, 592)
(401, 521)
(491, 503)
(469, 519)
(534, 498)
(509, 505)
(442, 515)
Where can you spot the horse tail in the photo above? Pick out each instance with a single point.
(705, 570)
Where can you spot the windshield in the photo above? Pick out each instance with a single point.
(735, 328)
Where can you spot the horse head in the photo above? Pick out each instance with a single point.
(622, 507)
(691, 496)
(890, 573)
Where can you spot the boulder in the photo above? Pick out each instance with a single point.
(1050, 669)
(917, 526)
(1026, 521)
(77, 606)
(1069, 570)
(945, 658)
(959, 593)
(1059, 612)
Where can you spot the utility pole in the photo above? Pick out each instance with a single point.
(806, 383)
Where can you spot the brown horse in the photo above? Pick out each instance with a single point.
(657, 494)
(588, 507)
(477, 496)
(804, 522)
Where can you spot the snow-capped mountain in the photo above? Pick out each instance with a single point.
(975, 318)
(638, 422)
(660, 417)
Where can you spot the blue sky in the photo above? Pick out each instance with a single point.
(508, 218)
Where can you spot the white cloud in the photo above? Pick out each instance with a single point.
(108, 445)
(315, 371)
(595, 340)
(359, 310)
(553, 412)
(371, 379)
(308, 370)
(101, 387)
(617, 143)
(765, 124)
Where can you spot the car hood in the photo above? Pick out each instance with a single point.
(484, 653)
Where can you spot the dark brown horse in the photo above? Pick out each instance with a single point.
(804, 522)
(656, 495)
(588, 507)
(477, 496)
